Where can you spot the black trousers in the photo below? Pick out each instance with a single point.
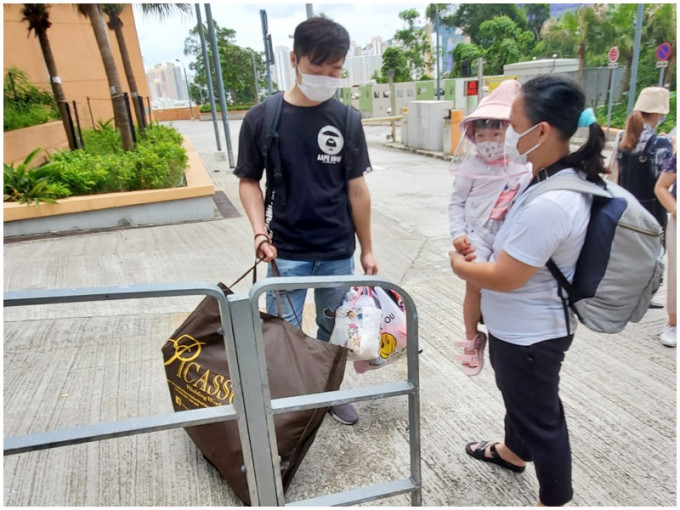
(535, 426)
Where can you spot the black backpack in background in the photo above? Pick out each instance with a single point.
(638, 176)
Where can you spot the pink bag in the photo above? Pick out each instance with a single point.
(392, 331)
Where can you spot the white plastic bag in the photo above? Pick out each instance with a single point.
(392, 331)
(357, 324)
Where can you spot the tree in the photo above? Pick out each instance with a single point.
(236, 63)
(38, 19)
(536, 15)
(395, 60)
(509, 43)
(113, 12)
(463, 55)
(94, 13)
(415, 42)
(469, 17)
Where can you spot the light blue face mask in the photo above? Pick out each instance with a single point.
(660, 122)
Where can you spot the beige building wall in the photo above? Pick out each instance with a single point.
(77, 57)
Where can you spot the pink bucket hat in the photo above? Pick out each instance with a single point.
(494, 106)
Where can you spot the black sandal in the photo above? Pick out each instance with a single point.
(478, 453)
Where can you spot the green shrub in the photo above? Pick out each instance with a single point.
(205, 108)
(104, 139)
(157, 161)
(24, 185)
(24, 104)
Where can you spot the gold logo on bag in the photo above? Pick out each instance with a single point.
(217, 387)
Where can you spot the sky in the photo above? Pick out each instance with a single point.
(163, 41)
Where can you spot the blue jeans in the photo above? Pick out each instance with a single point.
(325, 299)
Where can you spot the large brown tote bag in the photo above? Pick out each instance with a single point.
(198, 376)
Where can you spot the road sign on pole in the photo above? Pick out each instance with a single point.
(614, 54)
(663, 51)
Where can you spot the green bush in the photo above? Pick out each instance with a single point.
(205, 108)
(157, 161)
(24, 104)
(24, 185)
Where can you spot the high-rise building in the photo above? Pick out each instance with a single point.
(167, 81)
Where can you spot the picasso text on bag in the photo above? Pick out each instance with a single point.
(191, 372)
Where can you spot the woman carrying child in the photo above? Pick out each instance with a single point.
(485, 187)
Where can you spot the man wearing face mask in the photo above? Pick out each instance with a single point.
(309, 224)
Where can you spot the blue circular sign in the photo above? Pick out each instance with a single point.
(663, 51)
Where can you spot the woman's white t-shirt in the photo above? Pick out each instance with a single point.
(553, 226)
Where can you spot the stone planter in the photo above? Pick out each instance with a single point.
(133, 208)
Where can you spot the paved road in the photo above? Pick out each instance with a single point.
(68, 365)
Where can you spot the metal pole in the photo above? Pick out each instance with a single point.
(80, 133)
(612, 75)
(393, 104)
(208, 77)
(436, 22)
(89, 107)
(220, 82)
(661, 77)
(186, 82)
(126, 99)
(480, 79)
(310, 10)
(636, 58)
(257, 89)
(267, 56)
(148, 102)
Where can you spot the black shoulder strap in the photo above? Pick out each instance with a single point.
(269, 137)
(563, 283)
(352, 117)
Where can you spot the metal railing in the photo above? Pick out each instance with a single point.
(253, 408)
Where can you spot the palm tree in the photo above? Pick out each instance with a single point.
(619, 21)
(38, 19)
(94, 13)
(113, 12)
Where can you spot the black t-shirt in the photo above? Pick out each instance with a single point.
(315, 223)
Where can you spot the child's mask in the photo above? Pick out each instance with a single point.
(490, 151)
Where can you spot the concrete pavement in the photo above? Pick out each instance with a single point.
(68, 365)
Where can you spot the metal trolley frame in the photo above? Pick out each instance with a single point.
(253, 408)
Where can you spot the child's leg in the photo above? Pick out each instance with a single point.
(472, 312)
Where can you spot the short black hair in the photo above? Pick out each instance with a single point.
(321, 40)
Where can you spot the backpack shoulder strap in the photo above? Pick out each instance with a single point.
(269, 136)
(567, 182)
(352, 117)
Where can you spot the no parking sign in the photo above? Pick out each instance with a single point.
(663, 52)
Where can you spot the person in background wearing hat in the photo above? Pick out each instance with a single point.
(485, 187)
(641, 155)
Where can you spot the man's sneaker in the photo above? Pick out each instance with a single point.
(654, 305)
(345, 413)
(668, 336)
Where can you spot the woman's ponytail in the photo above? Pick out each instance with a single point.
(631, 133)
(588, 158)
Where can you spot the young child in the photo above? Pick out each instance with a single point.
(485, 187)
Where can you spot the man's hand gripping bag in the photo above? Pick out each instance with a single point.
(198, 376)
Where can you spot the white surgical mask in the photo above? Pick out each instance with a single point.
(318, 88)
(490, 151)
(511, 140)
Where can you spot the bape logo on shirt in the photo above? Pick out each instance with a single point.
(330, 142)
